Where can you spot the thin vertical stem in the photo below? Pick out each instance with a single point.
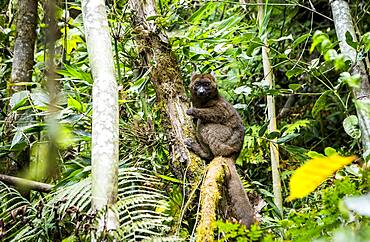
(271, 114)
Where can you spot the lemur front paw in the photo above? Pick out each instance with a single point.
(190, 111)
(188, 143)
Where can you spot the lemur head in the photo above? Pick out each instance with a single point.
(203, 87)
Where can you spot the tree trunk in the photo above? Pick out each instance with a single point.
(105, 113)
(24, 46)
(209, 199)
(271, 115)
(22, 68)
(343, 24)
(166, 78)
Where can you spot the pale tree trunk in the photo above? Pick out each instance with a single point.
(271, 114)
(166, 78)
(22, 68)
(343, 24)
(105, 113)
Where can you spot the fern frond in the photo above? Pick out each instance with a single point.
(139, 205)
(295, 127)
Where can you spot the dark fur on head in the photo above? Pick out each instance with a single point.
(203, 88)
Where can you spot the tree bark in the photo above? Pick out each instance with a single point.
(271, 114)
(343, 24)
(24, 46)
(166, 78)
(105, 113)
(209, 199)
(22, 68)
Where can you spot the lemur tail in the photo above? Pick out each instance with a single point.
(241, 208)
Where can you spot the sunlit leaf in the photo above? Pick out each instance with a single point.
(18, 99)
(295, 86)
(73, 103)
(18, 137)
(366, 41)
(314, 172)
(351, 80)
(340, 62)
(359, 204)
(243, 90)
(329, 151)
(330, 55)
(295, 127)
(202, 12)
(350, 125)
(40, 99)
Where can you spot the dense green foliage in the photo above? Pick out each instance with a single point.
(219, 36)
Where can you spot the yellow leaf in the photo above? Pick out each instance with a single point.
(314, 172)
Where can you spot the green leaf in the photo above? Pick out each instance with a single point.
(153, 17)
(296, 152)
(40, 99)
(18, 99)
(349, 40)
(263, 129)
(366, 41)
(294, 72)
(340, 62)
(37, 127)
(295, 86)
(350, 125)
(286, 138)
(330, 55)
(295, 127)
(254, 43)
(202, 12)
(18, 137)
(75, 104)
(72, 238)
(329, 151)
(243, 90)
(283, 38)
(314, 154)
(351, 80)
(74, 73)
(273, 135)
(171, 179)
(359, 204)
(300, 39)
(321, 40)
(320, 104)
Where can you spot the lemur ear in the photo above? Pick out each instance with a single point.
(193, 76)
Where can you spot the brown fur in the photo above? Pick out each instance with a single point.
(220, 132)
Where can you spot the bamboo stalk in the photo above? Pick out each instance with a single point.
(271, 114)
